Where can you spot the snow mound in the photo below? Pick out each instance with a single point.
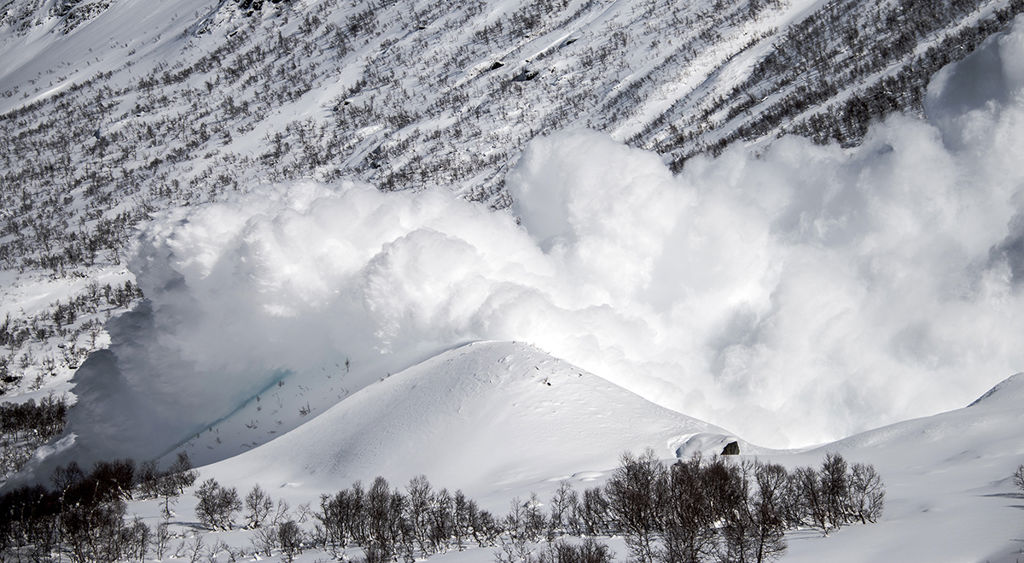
(1009, 393)
(709, 444)
(484, 417)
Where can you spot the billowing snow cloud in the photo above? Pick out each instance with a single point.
(792, 296)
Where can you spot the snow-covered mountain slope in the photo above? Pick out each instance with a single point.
(112, 109)
(798, 291)
(486, 417)
(801, 291)
(793, 295)
(949, 492)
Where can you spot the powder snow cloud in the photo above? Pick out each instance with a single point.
(795, 294)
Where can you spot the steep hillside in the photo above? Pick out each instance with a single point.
(113, 109)
(760, 291)
(368, 245)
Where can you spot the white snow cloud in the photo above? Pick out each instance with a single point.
(793, 296)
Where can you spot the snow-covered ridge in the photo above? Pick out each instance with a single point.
(485, 417)
(501, 419)
(1006, 394)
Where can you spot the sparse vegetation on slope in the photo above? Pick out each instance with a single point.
(430, 95)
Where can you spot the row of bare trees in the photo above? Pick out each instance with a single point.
(82, 518)
(26, 426)
(717, 509)
(693, 510)
(707, 510)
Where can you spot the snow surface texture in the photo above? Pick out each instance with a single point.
(488, 417)
(791, 296)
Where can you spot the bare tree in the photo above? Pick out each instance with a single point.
(835, 488)
(730, 485)
(380, 518)
(216, 504)
(163, 535)
(196, 548)
(483, 525)
(180, 474)
(634, 497)
(137, 539)
(264, 540)
(592, 516)
(258, 505)
(289, 537)
(867, 493)
(561, 551)
(418, 510)
(563, 503)
(689, 533)
(769, 512)
(809, 502)
(461, 519)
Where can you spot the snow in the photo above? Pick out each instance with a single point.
(34, 296)
(483, 418)
(305, 336)
(949, 496)
(792, 296)
(487, 417)
(136, 27)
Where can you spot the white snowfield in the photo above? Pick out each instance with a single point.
(488, 417)
(949, 492)
(501, 419)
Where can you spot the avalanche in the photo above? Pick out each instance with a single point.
(793, 296)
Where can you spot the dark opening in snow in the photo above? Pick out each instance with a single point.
(525, 75)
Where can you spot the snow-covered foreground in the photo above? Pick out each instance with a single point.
(950, 496)
(501, 420)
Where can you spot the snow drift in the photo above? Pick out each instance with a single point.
(795, 294)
